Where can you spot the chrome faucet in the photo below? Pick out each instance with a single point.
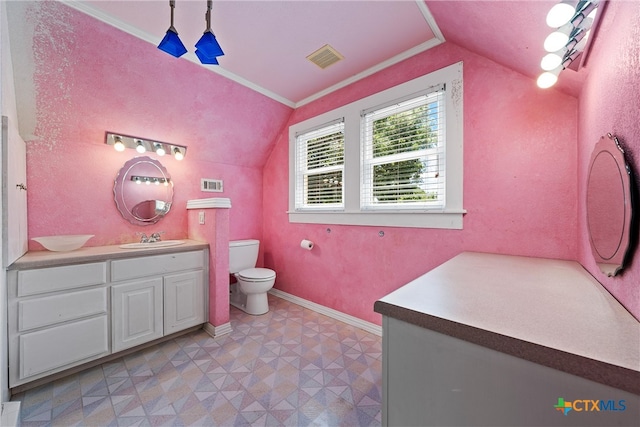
(143, 238)
(155, 237)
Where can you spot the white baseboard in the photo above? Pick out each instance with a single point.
(329, 312)
(10, 414)
(216, 331)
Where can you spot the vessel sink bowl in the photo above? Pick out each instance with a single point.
(152, 245)
(63, 243)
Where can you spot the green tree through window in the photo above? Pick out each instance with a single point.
(407, 131)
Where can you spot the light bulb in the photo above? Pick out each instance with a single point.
(178, 154)
(560, 14)
(556, 41)
(118, 145)
(160, 150)
(550, 61)
(548, 79)
(147, 181)
(140, 148)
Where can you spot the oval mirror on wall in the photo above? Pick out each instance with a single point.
(143, 191)
(609, 206)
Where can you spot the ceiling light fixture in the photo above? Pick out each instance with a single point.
(569, 41)
(208, 48)
(171, 42)
(141, 145)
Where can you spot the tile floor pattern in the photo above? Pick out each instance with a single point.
(289, 367)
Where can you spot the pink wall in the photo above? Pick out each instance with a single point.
(90, 78)
(519, 190)
(610, 102)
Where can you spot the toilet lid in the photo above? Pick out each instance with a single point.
(257, 274)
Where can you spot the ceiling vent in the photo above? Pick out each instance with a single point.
(325, 56)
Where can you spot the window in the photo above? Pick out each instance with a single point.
(402, 148)
(391, 159)
(320, 163)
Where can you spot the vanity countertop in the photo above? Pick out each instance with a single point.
(550, 312)
(40, 259)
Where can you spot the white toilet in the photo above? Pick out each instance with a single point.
(249, 294)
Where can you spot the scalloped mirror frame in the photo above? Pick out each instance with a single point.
(609, 206)
(130, 204)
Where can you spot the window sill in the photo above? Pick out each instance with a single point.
(450, 219)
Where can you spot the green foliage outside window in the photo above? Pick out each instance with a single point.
(411, 130)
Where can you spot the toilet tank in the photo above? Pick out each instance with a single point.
(243, 254)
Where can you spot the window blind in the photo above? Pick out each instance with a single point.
(320, 167)
(403, 149)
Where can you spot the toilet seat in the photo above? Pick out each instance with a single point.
(256, 274)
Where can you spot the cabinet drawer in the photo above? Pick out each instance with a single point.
(62, 346)
(49, 310)
(133, 268)
(43, 280)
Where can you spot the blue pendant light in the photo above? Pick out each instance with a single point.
(208, 48)
(171, 42)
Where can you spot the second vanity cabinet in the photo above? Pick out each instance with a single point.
(62, 316)
(151, 303)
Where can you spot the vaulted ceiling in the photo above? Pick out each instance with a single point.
(266, 43)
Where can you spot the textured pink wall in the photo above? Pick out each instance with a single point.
(610, 102)
(90, 78)
(215, 231)
(520, 166)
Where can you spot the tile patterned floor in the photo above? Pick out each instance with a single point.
(289, 367)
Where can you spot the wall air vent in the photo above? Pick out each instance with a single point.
(325, 56)
(211, 185)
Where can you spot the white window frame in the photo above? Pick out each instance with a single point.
(433, 94)
(449, 217)
(302, 170)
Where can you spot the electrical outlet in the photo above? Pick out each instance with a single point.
(201, 217)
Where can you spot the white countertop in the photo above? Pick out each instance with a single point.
(39, 259)
(550, 303)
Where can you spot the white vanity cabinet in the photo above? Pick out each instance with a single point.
(162, 294)
(58, 318)
(65, 311)
(502, 340)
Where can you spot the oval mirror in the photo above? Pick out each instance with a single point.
(143, 191)
(609, 209)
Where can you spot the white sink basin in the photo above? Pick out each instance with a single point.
(154, 245)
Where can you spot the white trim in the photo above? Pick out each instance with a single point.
(450, 219)
(329, 312)
(217, 331)
(190, 56)
(370, 71)
(214, 202)
(10, 413)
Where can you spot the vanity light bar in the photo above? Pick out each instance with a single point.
(120, 142)
(149, 180)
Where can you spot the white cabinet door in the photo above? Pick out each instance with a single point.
(183, 301)
(136, 312)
